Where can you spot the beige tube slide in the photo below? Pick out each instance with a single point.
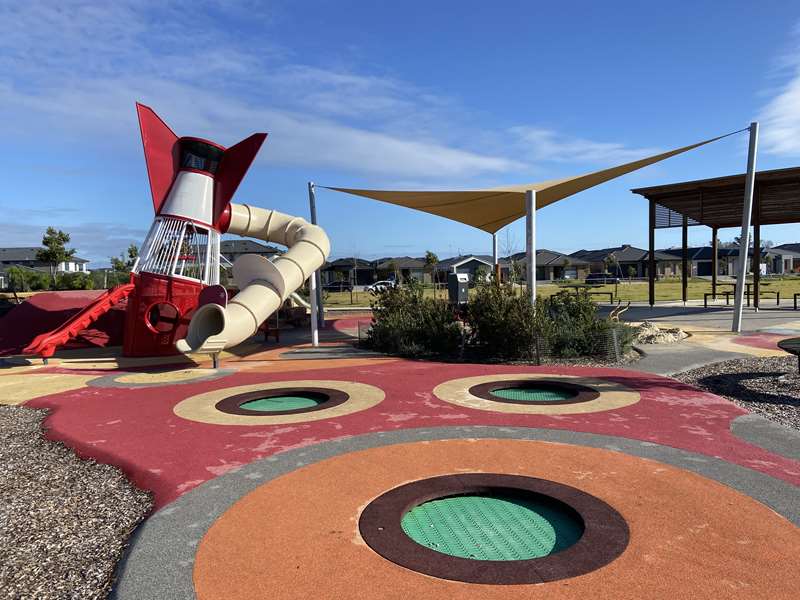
(264, 285)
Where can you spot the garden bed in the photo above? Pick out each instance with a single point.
(767, 386)
(64, 522)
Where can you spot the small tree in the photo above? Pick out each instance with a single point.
(55, 250)
(431, 260)
(481, 274)
(16, 281)
(124, 265)
(631, 272)
(392, 266)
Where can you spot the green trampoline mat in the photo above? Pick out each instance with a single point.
(281, 403)
(533, 394)
(492, 527)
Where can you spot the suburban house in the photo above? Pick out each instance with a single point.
(470, 265)
(774, 261)
(789, 257)
(551, 265)
(26, 257)
(351, 269)
(402, 268)
(233, 249)
(628, 261)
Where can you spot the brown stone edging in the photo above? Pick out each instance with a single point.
(605, 537)
(581, 393)
(233, 404)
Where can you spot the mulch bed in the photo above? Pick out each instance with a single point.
(767, 386)
(64, 521)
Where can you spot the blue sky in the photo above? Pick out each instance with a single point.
(373, 94)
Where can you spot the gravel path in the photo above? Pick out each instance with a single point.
(767, 386)
(63, 521)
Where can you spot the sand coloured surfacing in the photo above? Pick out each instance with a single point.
(678, 548)
(495, 526)
(611, 394)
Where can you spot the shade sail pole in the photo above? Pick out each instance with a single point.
(530, 243)
(744, 239)
(320, 316)
(494, 248)
(496, 261)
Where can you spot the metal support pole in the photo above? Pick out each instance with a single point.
(685, 260)
(651, 262)
(714, 261)
(530, 243)
(215, 360)
(496, 260)
(756, 249)
(312, 201)
(312, 295)
(744, 240)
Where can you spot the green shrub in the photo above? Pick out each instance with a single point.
(406, 323)
(502, 325)
(75, 281)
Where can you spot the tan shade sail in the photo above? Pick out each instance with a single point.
(492, 209)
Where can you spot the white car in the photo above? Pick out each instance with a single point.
(380, 286)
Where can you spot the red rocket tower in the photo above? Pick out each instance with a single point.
(192, 182)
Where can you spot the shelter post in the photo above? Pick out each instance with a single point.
(530, 243)
(495, 260)
(714, 261)
(651, 259)
(744, 239)
(685, 259)
(756, 248)
(320, 316)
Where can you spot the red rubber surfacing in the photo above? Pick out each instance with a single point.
(136, 429)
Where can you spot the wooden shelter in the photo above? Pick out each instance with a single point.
(718, 203)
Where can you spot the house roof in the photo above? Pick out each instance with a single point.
(28, 254)
(401, 262)
(795, 248)
(246, 247)
(549, 258)
(348, 262)
(457, 261)
(622, 254)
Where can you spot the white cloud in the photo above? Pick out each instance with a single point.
(780, 117)
(539, 144)
(76, 67)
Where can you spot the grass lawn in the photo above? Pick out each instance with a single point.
(635, 291)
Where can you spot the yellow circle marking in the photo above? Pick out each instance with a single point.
(202, 407)
(612, 395)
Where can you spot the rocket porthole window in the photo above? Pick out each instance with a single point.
(162, 317)
(199, 155)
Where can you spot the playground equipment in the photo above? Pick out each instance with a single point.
(175, 302)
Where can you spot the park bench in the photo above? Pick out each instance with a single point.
(609, 294)
(762, 292)
(792, 346)
(726, 293)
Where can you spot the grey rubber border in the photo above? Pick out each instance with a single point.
(160, 560)
(759, 431)
(110, 381)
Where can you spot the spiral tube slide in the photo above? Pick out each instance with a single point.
(264, 285)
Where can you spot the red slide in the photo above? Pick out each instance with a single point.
(45, 344)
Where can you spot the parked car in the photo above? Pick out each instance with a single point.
(601, 278)
(338, 286)
(380, 286)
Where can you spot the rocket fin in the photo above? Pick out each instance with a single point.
(161, 153)
(232, 168)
